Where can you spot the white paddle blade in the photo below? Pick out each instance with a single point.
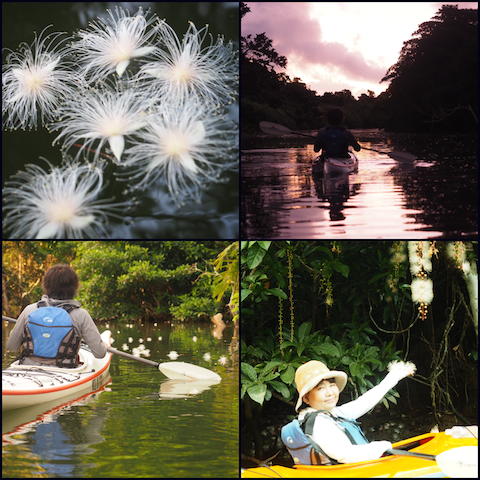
(402, 156)
(274, 128)
(182, 370)
(460, 462)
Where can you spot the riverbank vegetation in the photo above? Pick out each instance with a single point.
(150, 280)
(433, 86)
(356, 306)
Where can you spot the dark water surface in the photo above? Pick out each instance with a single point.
(436, 197)
(140, 424)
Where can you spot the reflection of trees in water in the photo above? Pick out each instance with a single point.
(443, 192)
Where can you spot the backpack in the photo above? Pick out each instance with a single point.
(49, 333)
(297, 437)
(334, 141)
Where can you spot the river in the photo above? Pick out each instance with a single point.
(435, 197)
(139, 424)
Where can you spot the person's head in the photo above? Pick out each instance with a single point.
(60, 282)
(335, 116)
(318, 386)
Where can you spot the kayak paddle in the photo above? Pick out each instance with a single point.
(460, 462)
(276, 129)
(175, 370)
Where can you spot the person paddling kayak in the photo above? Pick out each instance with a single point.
(324, 434)
(51, 330)
(335, 138)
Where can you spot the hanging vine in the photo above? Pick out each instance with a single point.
(420, 254)
(290, 291)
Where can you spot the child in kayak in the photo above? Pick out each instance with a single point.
(51, 336)
(332, 435)
(335, 138)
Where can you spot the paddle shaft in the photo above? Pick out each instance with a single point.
(396, 451)
(276, 129)
(109, 349)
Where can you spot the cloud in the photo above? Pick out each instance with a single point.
(299, 37)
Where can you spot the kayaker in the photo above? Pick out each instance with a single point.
(36, 333)
(326, 434)
(335, 138)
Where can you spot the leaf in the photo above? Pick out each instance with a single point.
(304, 330)
(257, 393)
(249, 371)
(288, 375)
(281, 388)
(277, 292)
(244, 294)
(264, 244)
(328, 349)
(341, 267)
(255, 255)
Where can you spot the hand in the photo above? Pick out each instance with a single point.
(402, 369)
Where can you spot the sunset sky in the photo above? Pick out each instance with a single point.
(336, 46)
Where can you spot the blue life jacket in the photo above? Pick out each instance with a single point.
(297, 437)
(335, 142)
(49, 333)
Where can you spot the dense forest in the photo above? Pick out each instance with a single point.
(433, 87)
(356, 306)
(161, 281)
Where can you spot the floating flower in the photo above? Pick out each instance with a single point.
(422, 290)
(34, 80)
(62, 203)
(207, 357)
(111, 43)
(223, 360)
(103, 115)
(173, 355)
(187, 147)
(185, 69)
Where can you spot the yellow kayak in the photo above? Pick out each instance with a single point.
(387, 467)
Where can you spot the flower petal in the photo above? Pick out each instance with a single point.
(117, 144)
(140, 52)
(122, 66)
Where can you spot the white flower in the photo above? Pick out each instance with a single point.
(194, 338)
(422, 290)
(34, 80)
(111, 43)
(101, 114)
(187, 147)
(185, 69)
(207, 357)
(223, 360)
(173, 355)
(61, 203)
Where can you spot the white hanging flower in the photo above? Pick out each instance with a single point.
(34, 80)
(111, 43)
(422, 290)
(173, 355)
(62, 203)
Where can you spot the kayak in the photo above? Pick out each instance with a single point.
(335, 165)
(389, 466)
(27, 385)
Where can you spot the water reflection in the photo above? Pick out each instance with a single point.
(384, 199)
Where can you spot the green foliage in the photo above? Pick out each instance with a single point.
(266, 371)
(151, 279)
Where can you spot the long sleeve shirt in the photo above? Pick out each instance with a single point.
(334, 442)
(81, 320)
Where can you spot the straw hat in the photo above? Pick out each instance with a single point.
(310, 374)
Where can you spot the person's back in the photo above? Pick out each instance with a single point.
(50, 330)
(335, 138)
